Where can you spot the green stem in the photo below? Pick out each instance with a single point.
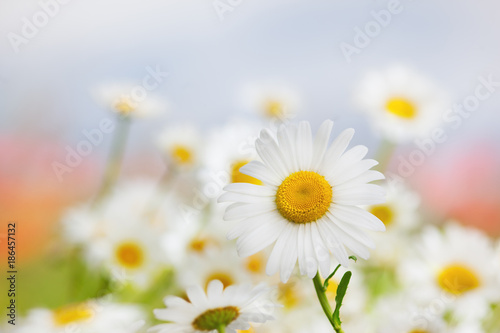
(221, 329)
(323, 300)
(113, 166)
(384, 155)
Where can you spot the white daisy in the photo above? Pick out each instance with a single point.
(457, 266)
(401, 103)
(181, 146)
(400, 216)
(232, 308)
(271, 99)
(122, 98)
(94, 316)
(308, 203)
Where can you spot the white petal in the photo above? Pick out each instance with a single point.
(287, 145)
(311, 262)
(261, 172)
(301, 253)
(332, 241)
(273, 263)
(339, 176)
(321, 144)
(336, 149)
(320, 250)
(261, 237)
(289, 257)
(250, 189)
(239, 211)
(238, 197)
(367, 194)
(357, 216)
(197, 296)
(214, 289)
(304, 145)
(271, 156)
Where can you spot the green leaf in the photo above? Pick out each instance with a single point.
(341, 290)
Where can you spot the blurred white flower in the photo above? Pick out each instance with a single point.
(94, 316)
(398, 313)
(232, 308)
(133, 233)
(271, 99)
(401, 217)
(308, 205)
(129, 99)
(456, 266)
(181, 145)
(402, 104)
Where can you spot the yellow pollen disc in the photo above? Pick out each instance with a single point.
(124, 105)
(418, 331)
(401, 107)
(255, 263)
(129, 255)
(303, 197)
(288, 295)
(384, 213)
(182, 154)
(250, 330)
(274, 108)
(224, 277)
(457, 279)
(238, 177)
(200, 243)
(72, 314)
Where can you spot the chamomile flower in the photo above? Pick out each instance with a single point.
(127, 99)
(308, 203)
(232, 308)
(272, 100)
(400, 216)
(181, 146)
(456, 265)
(223, 265)
(87, 317)
(401, 103)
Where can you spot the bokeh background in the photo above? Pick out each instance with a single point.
(47, 100)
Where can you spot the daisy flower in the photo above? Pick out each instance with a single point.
(220, 309)
(272, 100)
(400, 216)
(401, 103)
(181, 146)
(308, 203)
(457, 266)
(122, 98)
(93, 316)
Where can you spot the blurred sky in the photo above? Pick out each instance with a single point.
(44, 89)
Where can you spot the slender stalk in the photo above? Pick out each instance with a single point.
(221, 329)
(385, 154)
(325, 305)
(114, 162)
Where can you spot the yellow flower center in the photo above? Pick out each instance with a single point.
(288, 295)
(200, 243)
(215, 318)
(274, 108)
(72, 314)
(182, 154)
(129, 255)
(458, 279)
(384, 213)
(418, 331)
(303, 197)
(255, 263)
(125, 105)
(401, 107)
(225, 277)
(238, 177)
(250, 330)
